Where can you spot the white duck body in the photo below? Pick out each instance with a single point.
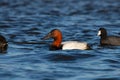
(68, 45)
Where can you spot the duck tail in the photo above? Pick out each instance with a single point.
(89, 47)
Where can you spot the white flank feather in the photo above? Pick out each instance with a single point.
(74, 45)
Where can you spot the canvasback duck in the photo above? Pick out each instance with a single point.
(3, 44)
(108, 40)
(68, 45)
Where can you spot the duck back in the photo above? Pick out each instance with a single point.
(111, 40)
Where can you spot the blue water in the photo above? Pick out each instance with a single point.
(27, 21)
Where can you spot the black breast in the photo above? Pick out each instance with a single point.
(55, 48)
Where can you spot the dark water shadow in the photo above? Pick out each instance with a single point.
(58, 57)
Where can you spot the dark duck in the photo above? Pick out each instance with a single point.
(108, 40)
(3, 44)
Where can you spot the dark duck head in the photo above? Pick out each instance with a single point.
(102, 33)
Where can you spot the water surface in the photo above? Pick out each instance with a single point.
(23, 22)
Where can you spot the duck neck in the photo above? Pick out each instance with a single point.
(57, 41)
(104, 36)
